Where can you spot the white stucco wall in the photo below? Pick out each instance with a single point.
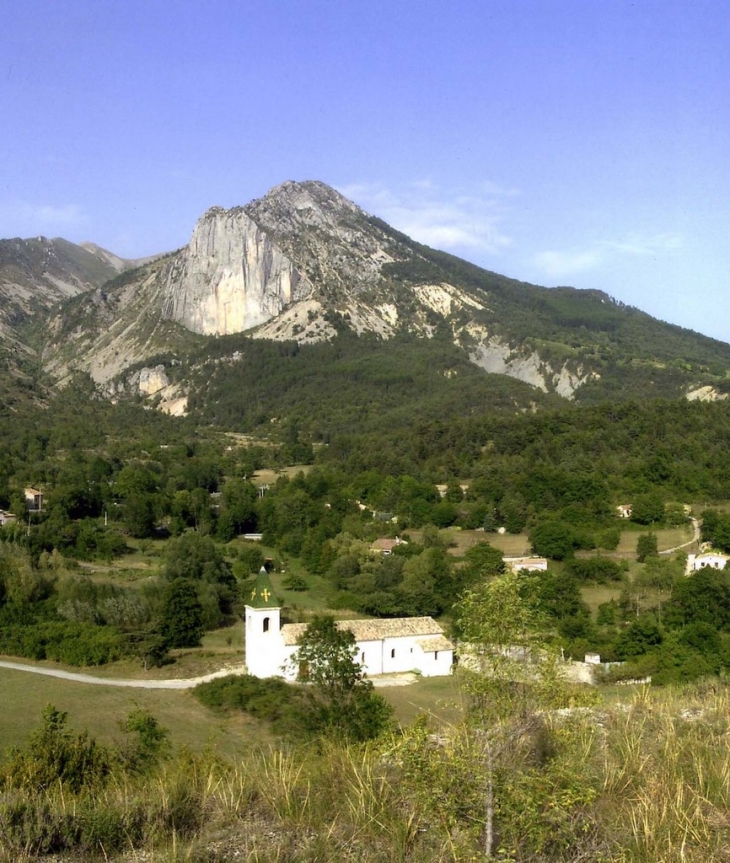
(264, 645)
(409, 656)
(710, 560)
(268, 656)
(436, 663)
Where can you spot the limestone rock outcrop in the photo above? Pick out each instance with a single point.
(231, 277)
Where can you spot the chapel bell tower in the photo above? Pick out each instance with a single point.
(264, 643)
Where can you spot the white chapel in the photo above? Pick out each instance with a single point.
(385, 646)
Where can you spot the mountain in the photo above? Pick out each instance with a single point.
(36, 275)
(304, 264)
(39, 273)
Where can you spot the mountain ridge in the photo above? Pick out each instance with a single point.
(303, 263)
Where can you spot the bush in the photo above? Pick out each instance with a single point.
(181, 618)
(271, 700)
(598, 569)
(646, 546)
(553, 539)
(647, 509)
(56, 755)
(64, 641)
(196, 557)
(295, 582)
(251, 557)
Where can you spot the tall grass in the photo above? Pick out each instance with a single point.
(641, 782)
(666, 776)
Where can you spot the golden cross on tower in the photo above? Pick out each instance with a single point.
(266, 594)
(253, 593)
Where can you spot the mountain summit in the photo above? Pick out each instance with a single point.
(288, 258)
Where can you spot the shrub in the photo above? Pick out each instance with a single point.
(54, 754)
(271, 700)
(65, 641)
(295, 582)
(598, 569)
(181, 618)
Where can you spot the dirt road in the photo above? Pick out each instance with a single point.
(186, 683)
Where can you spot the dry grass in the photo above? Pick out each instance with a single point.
(596, 594)
(268, 476)
(665, 769)
(518, 545)
(511, 545)
(641, 782)
(669, 537)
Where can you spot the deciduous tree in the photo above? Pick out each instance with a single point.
(341, 701)
(510, 678)
(181, 618)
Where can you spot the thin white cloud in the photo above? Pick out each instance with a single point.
(634, 244)
(452, 219)
(490, 188)
(22, 219)
(559, 264)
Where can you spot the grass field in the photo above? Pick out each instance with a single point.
(518, 544)
(510, 544)
(669, 537)
(267, 476)
(100, 710)
(439, 697)
(596, 594)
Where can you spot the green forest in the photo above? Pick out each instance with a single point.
(138, 558)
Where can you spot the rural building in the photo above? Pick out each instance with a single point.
(711, 559)
(33, 498)
(624, 510)
(442, 488)
(532, 564)
(383, 646)
(6, 517)
(385, 545)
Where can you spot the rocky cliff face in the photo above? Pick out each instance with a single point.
(328, 236)
(231, 277)
(284, 267)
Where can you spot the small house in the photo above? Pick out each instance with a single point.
(531, 564)
(709, 559)
(33, 499)
(385, 546)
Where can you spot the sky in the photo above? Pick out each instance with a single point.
(561, 142)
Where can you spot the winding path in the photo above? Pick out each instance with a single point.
(184, 683)
(181, 683)
(695, 538)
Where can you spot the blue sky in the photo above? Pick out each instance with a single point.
(563, 142)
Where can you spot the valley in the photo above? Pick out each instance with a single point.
(294, 390)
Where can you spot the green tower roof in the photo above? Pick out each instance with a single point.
(262, 592)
